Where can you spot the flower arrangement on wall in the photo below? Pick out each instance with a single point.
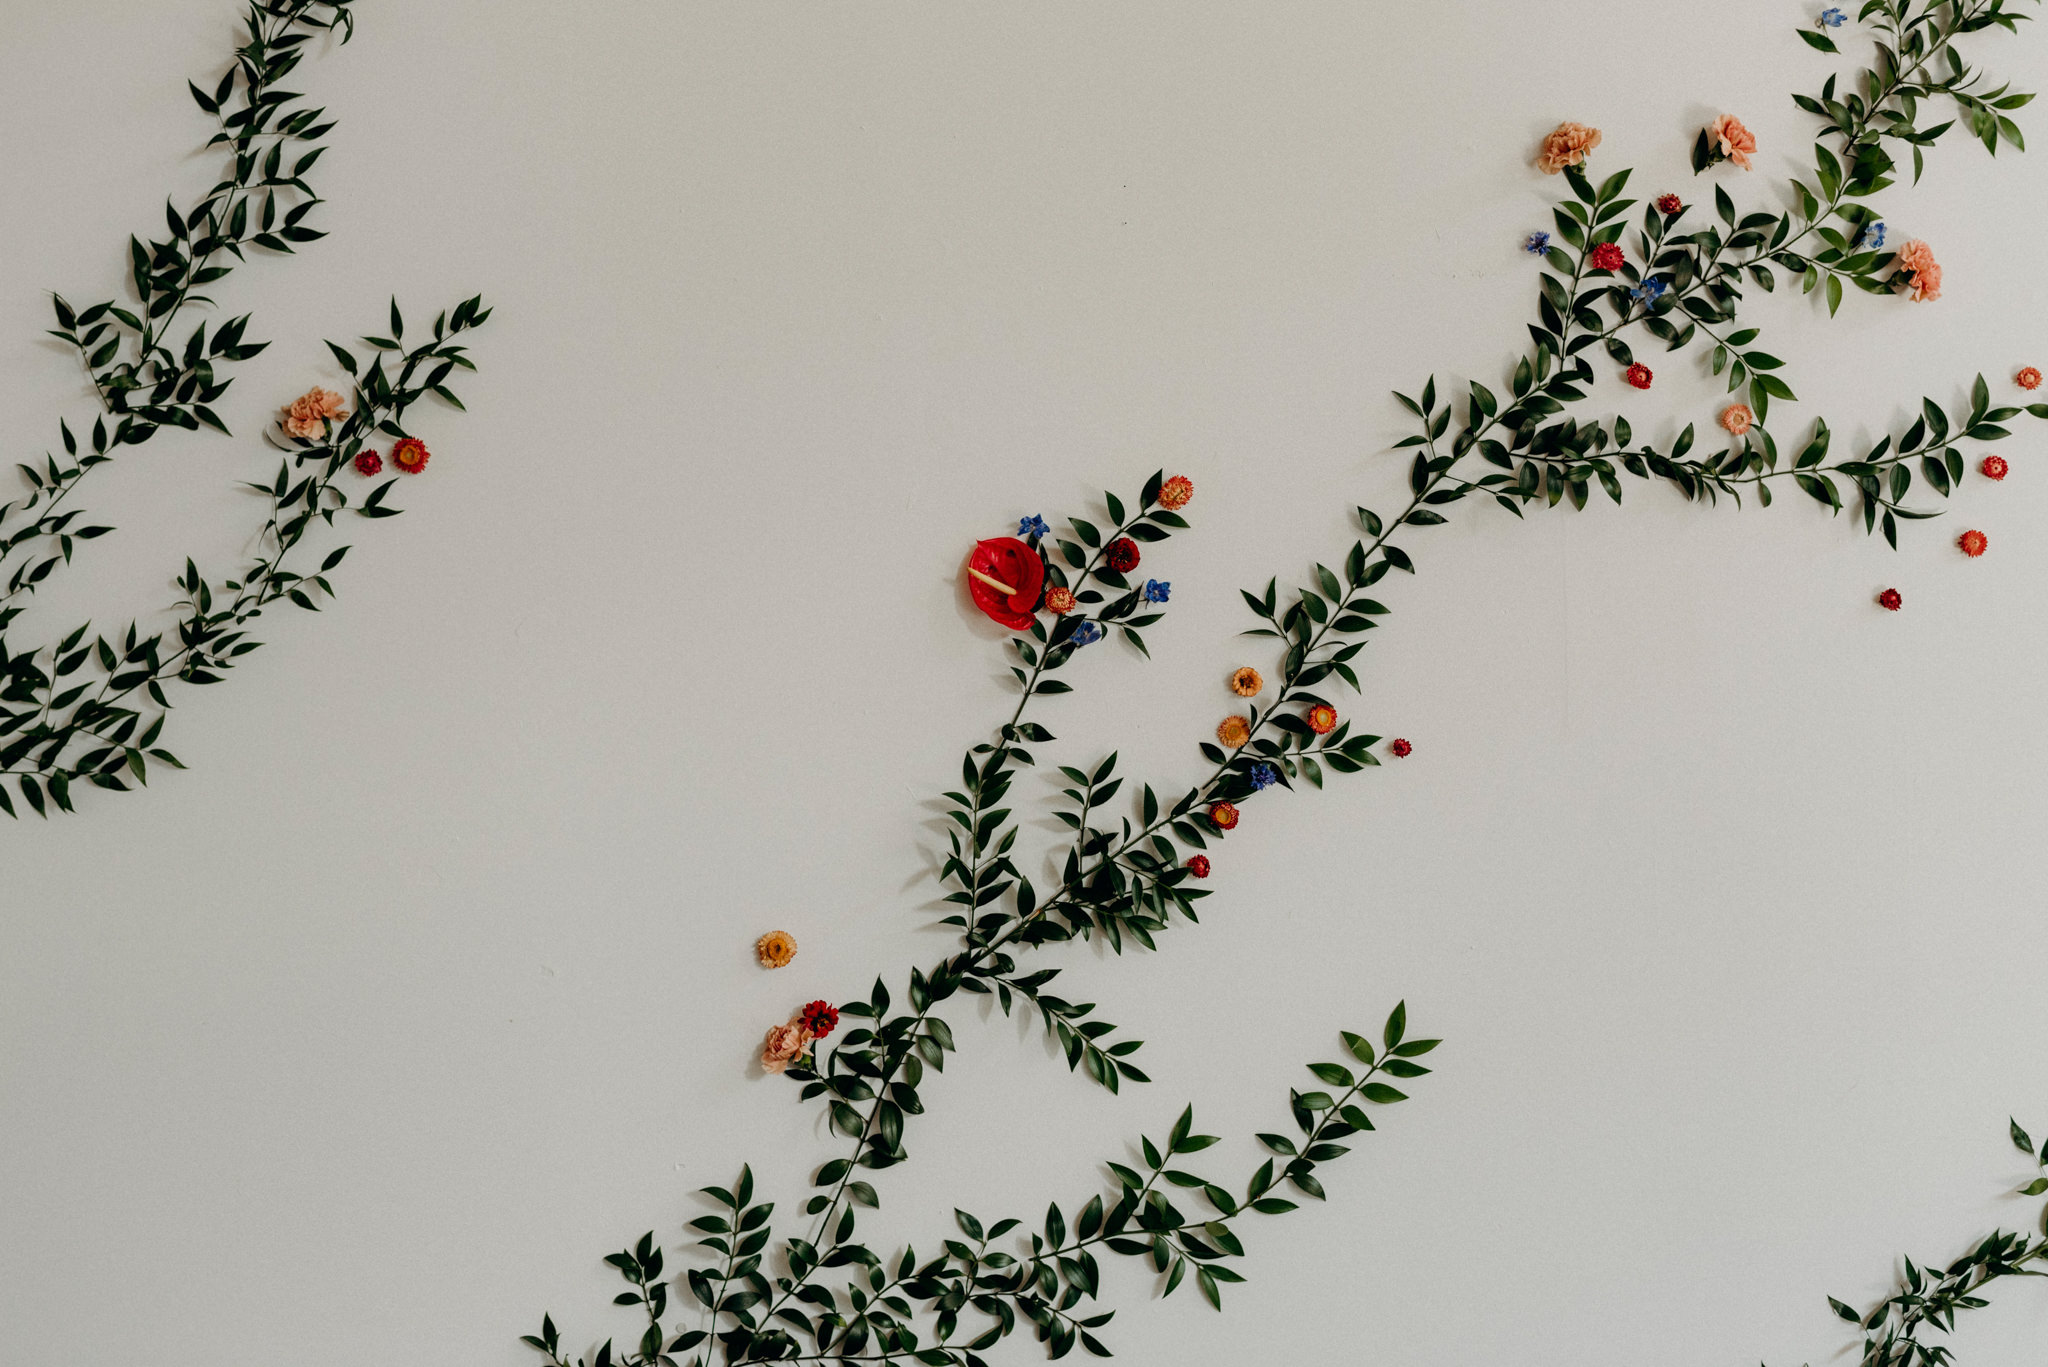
(87, 708)
(1617, 277)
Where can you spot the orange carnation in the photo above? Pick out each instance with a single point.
(1732, 140)
(1567, 145)
(1916, 259)
(309, 413)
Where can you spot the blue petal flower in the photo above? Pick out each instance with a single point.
(1087, 634)
(1536, 244)
(1032, 526)
(1650, 291)
(1869, 238)
(1264, 776)
(1832, 18)
(1156, 590)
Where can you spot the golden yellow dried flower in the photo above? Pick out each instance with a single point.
(1247, 682)
(775, 949)
(1234, 731)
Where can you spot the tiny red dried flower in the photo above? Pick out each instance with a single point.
(1122, 555)
(1402, 749)
(1060, 600)
(1639, 375)
(1223, 816)
(820, 1018)
(1669, 204)
(1973, 542)
(1175, 493)
(2028, 378)
(1608, 257)
(1199, 866)
(1322, 719)
(369, 463)
(1890, 601)
(1994, 467)
(410, 455)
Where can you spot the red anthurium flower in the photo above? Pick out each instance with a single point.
(1018, 575)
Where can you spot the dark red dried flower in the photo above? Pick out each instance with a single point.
(1994, 467)
(369, 463)
(1639, 375)
(1402, 749)
(1890, 601)
(1669, 204)
(1199, 866)
(820, 1018)
(1608, 257)
(1122, 555)
(1223, 815)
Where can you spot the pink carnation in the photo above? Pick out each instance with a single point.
(1732, 140)
(1916, 259)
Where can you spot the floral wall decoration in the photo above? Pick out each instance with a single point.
(1621, 278)
(90, 708)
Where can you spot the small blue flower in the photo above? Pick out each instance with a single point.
(1869, 238)
(1087, 634)
(1156, 590)
(1264, 776)
(1537, 244)
(1650, 291)
(1832, 18)
(1032, 526)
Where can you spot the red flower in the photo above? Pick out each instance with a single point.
(1402, 749)
(1639, 375)
(1322, 719)
(369, 463)
(1060, 600)
(1607, 257)
(1003, 577)
(820, 1018)
(1994, 467)
(1223, 816)
(2028, 378)
(1669, 204)
(1973, 543)
(1122, 555)
(1199, 866)
(1175, 493)
(410, 455)
(1890, 601)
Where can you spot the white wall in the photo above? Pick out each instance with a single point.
(430, 982)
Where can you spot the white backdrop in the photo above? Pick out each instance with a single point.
(430, 982)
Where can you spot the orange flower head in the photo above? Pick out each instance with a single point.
(410, 455)
(1973, 543)
(1234, 731)
(1223, 816)
(308, 415)
(1175, 493)
(1247, 682)
(1322, 719)
(775, 949)
(2028, 378)
(1738, 418)
(1060, 600)
(1732, 140)
(1567, 145)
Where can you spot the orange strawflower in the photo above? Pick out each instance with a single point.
(775, 949)
(1737, 418)
(1223, 816)
(1322, 719)
(1060, 600)
(1974, 543)
(1247, 682)
(1234, 731)
(410, 455)
(1175, 493)
(2028, 378)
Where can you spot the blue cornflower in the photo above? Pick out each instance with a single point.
(1869, 238)
(1650, 291)
(1033, 525)
(1832, 18)
(1087, 634)
(1536, 244)
(1264, 776)
(1156, 590)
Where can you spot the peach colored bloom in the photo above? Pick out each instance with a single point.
(1234, 731)
(307, 417)
(1247, 682)
(775, 949)
(1737, 418)
(784, 1046)
(1567, 145)
(1732, 140)
(1916, 259)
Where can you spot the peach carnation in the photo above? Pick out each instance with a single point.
(785, 1045)
(307, 417)
(1567, 145)
(1732, 140)
(1737, 418)
(1916, 259)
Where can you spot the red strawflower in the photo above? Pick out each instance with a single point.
(1175, 493)
(369, 463)
(2028, 378)
(1669, 204)
(1122, 555)
(820, 1018)
(1059, 599)
(1199, 866)
(1994, 467)
(1322, 719)
(1890, 601)
(1607, 257)
(1223, 816)
(1973, 543)
(1402, 749)
(410, 455)
(1639, 375)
